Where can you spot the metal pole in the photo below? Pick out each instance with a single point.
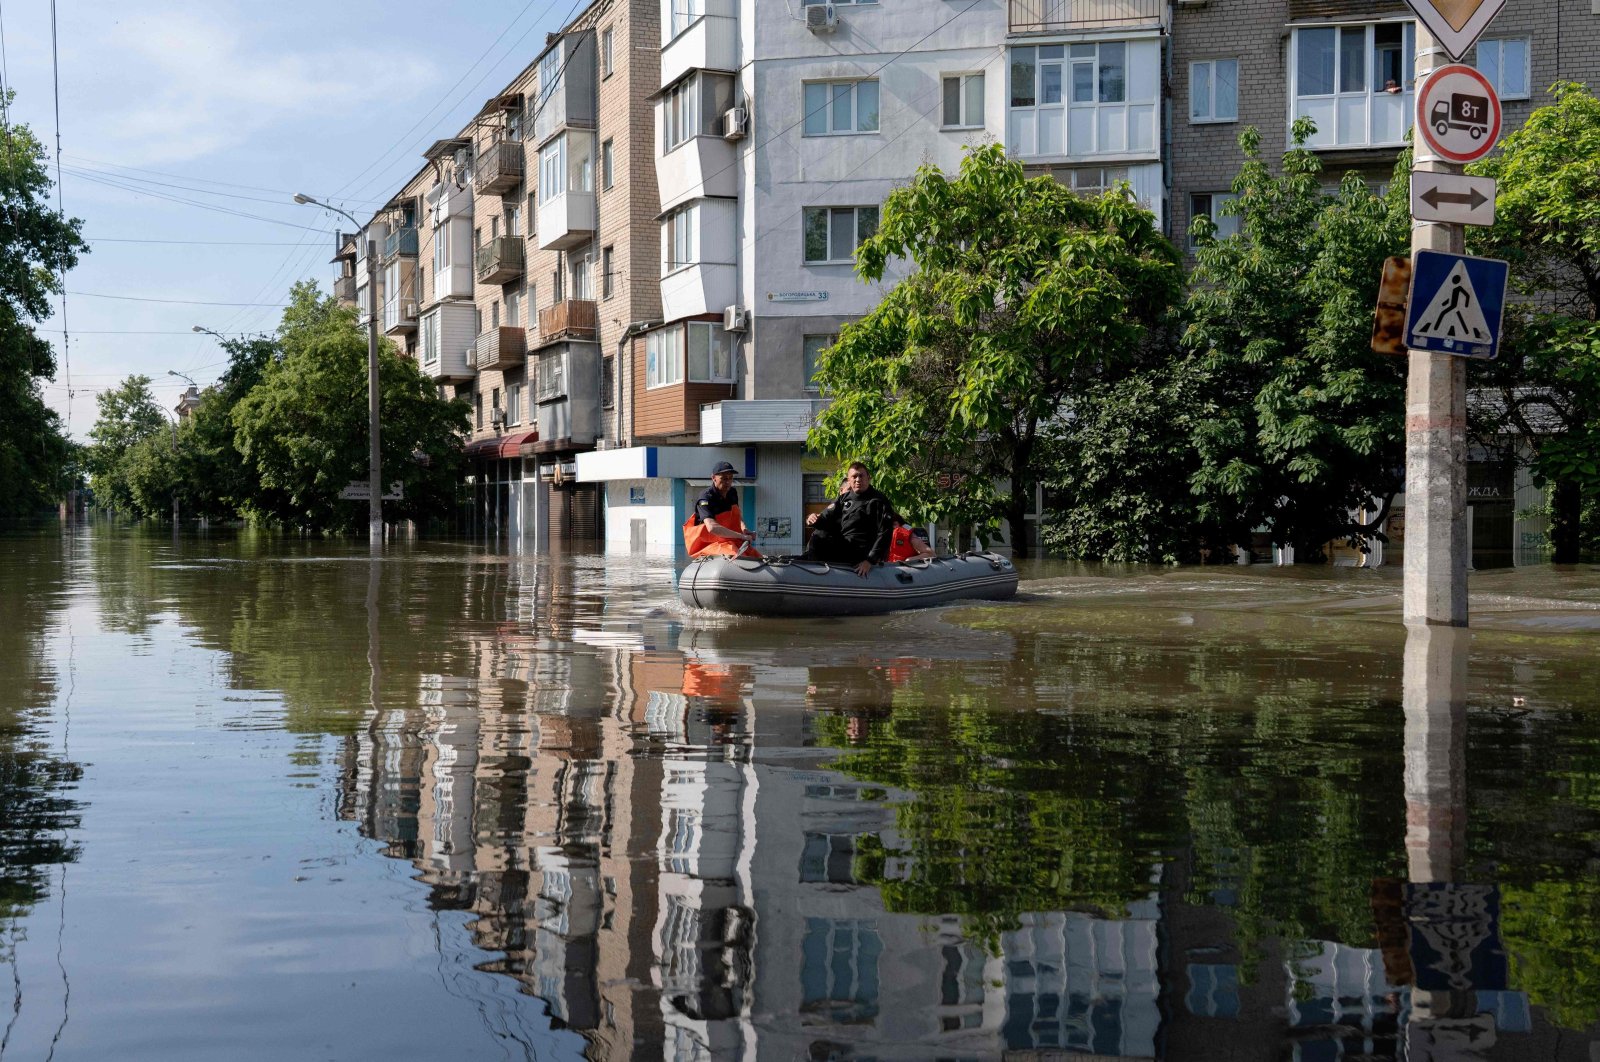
(374, 457)
(174, 468)
(1435, 587)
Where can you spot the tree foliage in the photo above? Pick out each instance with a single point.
(303, 428)
(1547, 225)
(1022, 294)
(37, 245)
(1299, 422)
(129, 418)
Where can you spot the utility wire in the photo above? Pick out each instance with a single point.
(61, 264)
(181, 302)
(82, 159)
(404, 137)
(111, 182)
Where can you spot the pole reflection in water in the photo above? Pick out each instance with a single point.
(1454, 948)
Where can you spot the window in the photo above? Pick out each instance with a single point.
(813, 348)
(513, 309)
(710, 354)
(607, 287)
(963, 101)
(1214, 91)
(494, 314)
(1084, 99)
(549, 73)
(1505, 64)
(553, 169)
(832, 234)
(513, 405)
(855, 3)
(582, 284)
(605, 52)
(1209, 204)
(709, 350)
(677, 239)
(606, 173)
(495, 410)
(608, 382)
(684, 14)
(582, 173)
(553, 376)
(1354, 82)
(836, 107)
(513, 220)
(663, 358)
(477, 409)
(694, 107)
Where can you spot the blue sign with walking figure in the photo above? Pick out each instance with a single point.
(1456, 304)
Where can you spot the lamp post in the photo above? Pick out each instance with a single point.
(374, 458)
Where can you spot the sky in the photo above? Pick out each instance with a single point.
(198, 122)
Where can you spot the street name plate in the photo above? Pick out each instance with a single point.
(1452, 198)
(797, 296)
(361, 491)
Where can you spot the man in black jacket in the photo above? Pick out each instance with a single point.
(855, 528)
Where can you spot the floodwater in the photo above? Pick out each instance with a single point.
(261, 798)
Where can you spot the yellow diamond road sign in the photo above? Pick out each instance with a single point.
(1456, 23)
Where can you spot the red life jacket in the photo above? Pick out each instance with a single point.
(900, 545)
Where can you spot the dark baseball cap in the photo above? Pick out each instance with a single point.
(723, 466)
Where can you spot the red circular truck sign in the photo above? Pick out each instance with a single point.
(1458, 113)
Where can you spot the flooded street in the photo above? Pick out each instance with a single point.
(261, 798)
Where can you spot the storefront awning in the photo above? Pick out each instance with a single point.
(501, 446)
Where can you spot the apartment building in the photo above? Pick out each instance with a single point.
(1348, 65)
(512, 264)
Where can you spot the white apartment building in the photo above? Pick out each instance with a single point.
(780, 131)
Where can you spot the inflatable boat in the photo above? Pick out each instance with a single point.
(785, 586)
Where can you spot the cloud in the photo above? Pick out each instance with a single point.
(171, 85)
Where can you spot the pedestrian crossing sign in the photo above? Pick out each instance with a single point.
(1456, 304)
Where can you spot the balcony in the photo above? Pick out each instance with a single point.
(1061, 16)
(344, 290)
(498, 168)
(699, 167)
(500, 260)
(710, 42)
(566, 220)
(761, 420)
(399, 316)
(569, 319)
(500, 349)
(401, 243)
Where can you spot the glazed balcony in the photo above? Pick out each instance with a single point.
(498, 168)
(500, 260)
(500, 349)
(569, 319)
(401, 243)
(1061, 16)
(344, 290)
(399, 316)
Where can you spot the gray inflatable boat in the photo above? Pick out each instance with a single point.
(782, 586)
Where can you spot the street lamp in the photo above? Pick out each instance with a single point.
(208, 331)
(374, 459)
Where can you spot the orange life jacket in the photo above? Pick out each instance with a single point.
(701, 541)
(900, 546)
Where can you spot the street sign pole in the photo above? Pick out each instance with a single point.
(1435, 587)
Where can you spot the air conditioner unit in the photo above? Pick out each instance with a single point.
(735, 319)
(822, 18)
(410, 310)
(735, 123)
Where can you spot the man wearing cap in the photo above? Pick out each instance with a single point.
(716, 525)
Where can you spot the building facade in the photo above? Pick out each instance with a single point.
(630, 259)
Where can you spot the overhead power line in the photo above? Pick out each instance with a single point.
(180, 302)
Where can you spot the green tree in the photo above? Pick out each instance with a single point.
(214, 479)
(1023, 293)
(1547, 225)
(129, 415)
(37, 245)
(1116, 469)
(1299, 422)
(302, 429)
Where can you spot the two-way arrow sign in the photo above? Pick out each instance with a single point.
(1452, 198)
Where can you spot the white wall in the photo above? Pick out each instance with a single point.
(662, 533)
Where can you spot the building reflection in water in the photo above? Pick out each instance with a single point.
(640, 822)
